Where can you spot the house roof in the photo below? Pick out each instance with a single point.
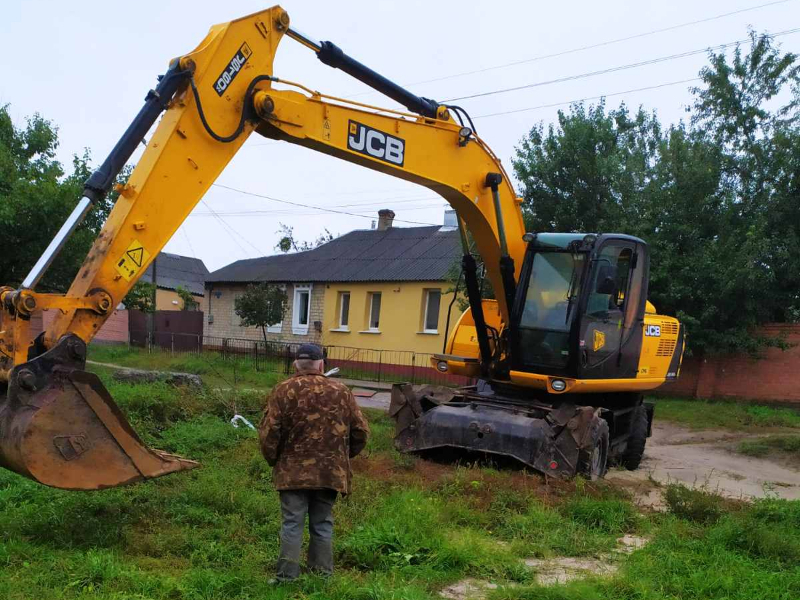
(396, 254)
(173, 270)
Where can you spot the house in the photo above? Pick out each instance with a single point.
(173, 271)
(381, 289)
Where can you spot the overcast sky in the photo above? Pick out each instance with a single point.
(86, 65)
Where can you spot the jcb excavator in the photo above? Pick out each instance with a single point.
(563, 354)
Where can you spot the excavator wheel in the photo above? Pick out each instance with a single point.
(637, 439)
(60, 427)
(593, 459)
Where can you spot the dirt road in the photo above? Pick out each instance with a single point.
(706, 458)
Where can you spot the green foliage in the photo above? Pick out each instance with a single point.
(705, 414)
(715, 199)
(36, 196)
(455, 282)
(213, 533)
(693, 504)
(187, 298)
(748, 553)
(289, 243)
(216, 369)
(141, 297)
(762, 446)
(607, 515)
(261, 305)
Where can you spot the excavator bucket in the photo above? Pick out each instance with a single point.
(59, 426)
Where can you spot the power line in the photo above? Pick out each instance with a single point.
(584, 48)
(641, 89)
(379, 203)
(643, 63)
(320, 208)
(228, 229)
(299, 212)
(191, 248)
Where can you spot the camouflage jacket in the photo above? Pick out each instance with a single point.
(311, 429)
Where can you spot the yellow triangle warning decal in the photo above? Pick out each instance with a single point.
(136, 255)
(130, 263)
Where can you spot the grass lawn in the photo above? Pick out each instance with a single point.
(788, 445)
(216, 371)
(738, 416)
(410, 527)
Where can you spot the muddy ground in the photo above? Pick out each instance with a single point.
(707, 458)
(702, 458)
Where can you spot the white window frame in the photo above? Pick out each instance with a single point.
(370, 328)
(425, 312)
(344, 326)
(299, 289)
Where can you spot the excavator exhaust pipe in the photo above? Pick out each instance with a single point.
(60, 427)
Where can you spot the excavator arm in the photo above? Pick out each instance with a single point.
(58, 424)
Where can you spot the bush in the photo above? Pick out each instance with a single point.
(692, 504)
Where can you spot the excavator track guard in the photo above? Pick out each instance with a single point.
(60, 427)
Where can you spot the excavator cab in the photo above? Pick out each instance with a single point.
(580, 310)
(562, 389)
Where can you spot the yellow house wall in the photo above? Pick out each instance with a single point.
(401, 316)
(165, 300)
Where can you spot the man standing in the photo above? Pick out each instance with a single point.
(311, 429)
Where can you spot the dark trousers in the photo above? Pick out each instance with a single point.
(295, 504)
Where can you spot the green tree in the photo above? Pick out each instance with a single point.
(261, 305)
(141, 297)
(289, 243)
(456, 283)
(36, 196)
(749, 106)
(716, 199)
(586, 172)
(187, 299)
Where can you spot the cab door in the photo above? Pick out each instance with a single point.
(610, 329)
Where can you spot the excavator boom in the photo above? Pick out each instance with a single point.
(570, 319)
(58, 424)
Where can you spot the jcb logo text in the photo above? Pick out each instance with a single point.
(652, 330)
(377, 144)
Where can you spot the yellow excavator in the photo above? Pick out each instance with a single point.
(562, 355)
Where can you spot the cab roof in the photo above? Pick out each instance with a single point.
(563, 240)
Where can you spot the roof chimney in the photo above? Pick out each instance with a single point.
(450, 219)
(385, 218)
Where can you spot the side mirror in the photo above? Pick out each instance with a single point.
(607, 286)
(606, 280)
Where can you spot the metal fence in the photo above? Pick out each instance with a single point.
(389, 366)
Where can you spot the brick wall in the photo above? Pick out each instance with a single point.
(773, 378)
(226, 323)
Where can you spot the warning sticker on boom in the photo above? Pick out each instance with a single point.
(130, 263)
